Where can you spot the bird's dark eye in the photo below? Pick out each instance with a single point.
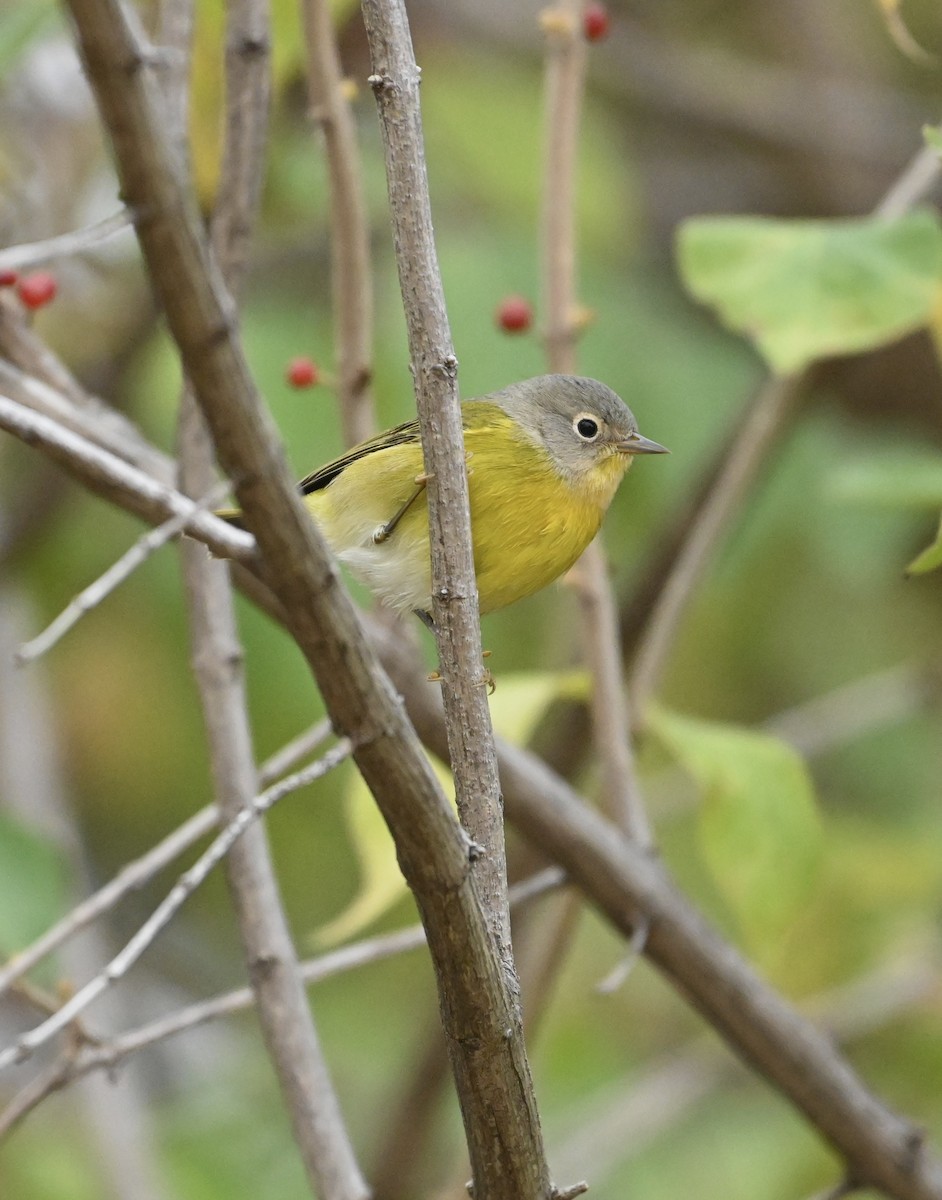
(587, 428)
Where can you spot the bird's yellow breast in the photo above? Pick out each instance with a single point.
(529, 523)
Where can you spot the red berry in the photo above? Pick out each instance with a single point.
(514, 314)
(595, 21)
(38, 289)
(8, 278)
(302, 373)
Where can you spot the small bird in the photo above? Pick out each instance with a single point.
(545, 458)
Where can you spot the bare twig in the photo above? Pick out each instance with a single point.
(35, 789)
(135, 874)
(32, 254)
(132, 876)
(395, 83)
(106, 1056)
(858, 707)
(565, 84)
(703, 968)
(36, 379)
(148, 544)
(284, 1015)
(351, 279)
(191, 879)
(174, 37)
(131, 488)
(621, 791)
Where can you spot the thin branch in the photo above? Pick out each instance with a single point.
(35, 378)
(148, 544)
(80, 241)
(566, 57)
(566, 60)
(135, 874)
(564, 86)
(758, 433)
(859, 707)
(128, 879)
(107, 1056)
(28, 1043)
(107, 475)
(395, 83)
(350, 274)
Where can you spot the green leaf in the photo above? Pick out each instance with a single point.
(32, 885)
(804, 290)
(381, 885)
(929, 559)
(759, 825)
(521, 699)
(895, 479)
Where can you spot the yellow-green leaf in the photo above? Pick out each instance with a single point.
(804, 290)
(521, 699)
(930, 558)
(381, 884)
(759, 824)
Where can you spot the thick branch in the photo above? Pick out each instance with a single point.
(433, 852)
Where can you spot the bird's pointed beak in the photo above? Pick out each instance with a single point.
(636, 444)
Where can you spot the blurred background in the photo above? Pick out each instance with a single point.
(694, 106)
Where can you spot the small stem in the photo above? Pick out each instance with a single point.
(351, 277)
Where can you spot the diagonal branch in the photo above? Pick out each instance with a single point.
(434, 853)
(284, 1015)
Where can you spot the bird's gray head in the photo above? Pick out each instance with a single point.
(578, 421)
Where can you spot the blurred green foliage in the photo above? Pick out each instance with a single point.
(806, 595)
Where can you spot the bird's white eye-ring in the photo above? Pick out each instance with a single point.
(586, 427)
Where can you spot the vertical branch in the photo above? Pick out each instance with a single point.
(351, 279)
(281, 1002)
(565, 84)
(395, 82)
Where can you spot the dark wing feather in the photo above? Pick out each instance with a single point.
(409, 432)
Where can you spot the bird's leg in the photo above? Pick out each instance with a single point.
(487, 679)
(382, 532)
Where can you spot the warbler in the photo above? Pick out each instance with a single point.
(544, 459)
